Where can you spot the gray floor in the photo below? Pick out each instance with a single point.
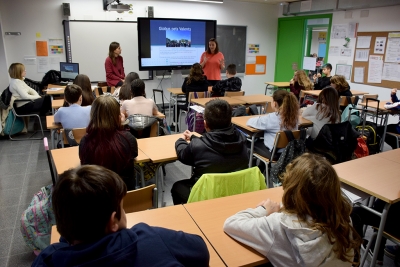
(24, 170)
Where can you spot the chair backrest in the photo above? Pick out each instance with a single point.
(215, 185)
(102, 89)
(140, 199)
(101, 84)
(162, 98)
(142, 126)
(78, 134)
(49, 159)
(344, 102)
(368, 96)
(231, 93)
(281, 141)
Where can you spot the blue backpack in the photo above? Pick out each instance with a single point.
(18, 124)
(350, 114)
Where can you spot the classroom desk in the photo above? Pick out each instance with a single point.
(231, 101)
(279, 85)
(57, 103)
(317, 92)
(393, 155)
(241, 122)
(67, 158)
(254, 99)
(378, 179)
(210, 216)
(173, 217)
(53, 127)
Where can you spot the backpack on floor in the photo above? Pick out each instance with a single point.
(37, 220)
(19, 124)
(373, 139)
(193, 116)
(295, 148)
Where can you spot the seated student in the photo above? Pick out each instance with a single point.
(285, 117)
(300, 82)
(73, 116)
(324, 111)
(340, 84)
(88, 207)
(233, 83)
(221, 149)
(124, 92)
(106, 143)
(139, 104)
(87, 93)
(322, 82)
(195, 81)
(391, 128)
(313, 226)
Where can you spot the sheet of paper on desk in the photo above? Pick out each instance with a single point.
(353, 194)
(54, 89)
(197, 108)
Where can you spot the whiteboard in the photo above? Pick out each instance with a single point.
(90, 41)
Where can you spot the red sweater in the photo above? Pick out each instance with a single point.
(114, 73)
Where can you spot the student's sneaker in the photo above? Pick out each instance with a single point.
(392, 251)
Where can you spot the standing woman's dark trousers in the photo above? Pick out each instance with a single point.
(212, 82)
(42, 105)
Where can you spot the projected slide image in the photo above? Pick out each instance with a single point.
(178, 38)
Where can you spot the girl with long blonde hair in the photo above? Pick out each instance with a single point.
(300, 82)
(313, 227)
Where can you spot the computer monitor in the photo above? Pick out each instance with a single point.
(68, 71)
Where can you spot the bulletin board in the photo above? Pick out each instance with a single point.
(390, 77)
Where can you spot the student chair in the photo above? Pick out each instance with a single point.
(281, 141)
(344, 102)
(102, 89)
(161, 107)
(78, 134)
(141, 199)
(237, 93)
(216, 185)
(368, 96)
(50, 160)
(27, 121)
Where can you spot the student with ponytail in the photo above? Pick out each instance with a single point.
(285, 117)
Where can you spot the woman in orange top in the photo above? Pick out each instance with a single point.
(212, 62)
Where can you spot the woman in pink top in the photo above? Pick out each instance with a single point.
(139, 104)
(114, 65)
(212, 62)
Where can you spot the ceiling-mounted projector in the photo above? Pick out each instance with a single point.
(118, 7)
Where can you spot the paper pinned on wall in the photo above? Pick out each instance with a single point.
(345, 52)
(375, 65)
(43, 64)
(359, 74)
(334, 51)
(344, 70)
(379, 47)
(309, 63)
(260, 68)
(251, 60)
(352, 32)
(41, 49)
(363, 41)
(339, 31)
(393, 50)
(391, 72)
(29, 60)
(55, 41)
(362, 55)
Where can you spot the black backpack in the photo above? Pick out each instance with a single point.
(295, 148)
(373, 139)
(5, 98)
(52, 76)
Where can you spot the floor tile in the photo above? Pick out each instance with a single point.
(39, 178)
(11, 181)
(16, 149)
(21, 260)
(5, 237)
(38, 166)
(8, 215)
(18, 245)
(3, 262)
(14, 158)
(13, 169)
(10, 197)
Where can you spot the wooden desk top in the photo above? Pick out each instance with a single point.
(231, 101)
(254, 99)
(374, 175)
(279, 84)
(67, 158)
(373, 104)
(57, 103)
(160, 115)
(160, 148)
(56, 92)
(175, 91)
(210, 216)
(317, 92)
(393, 155)
(173, 217)
(242, 122)
(50, 123)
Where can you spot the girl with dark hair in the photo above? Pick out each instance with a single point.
(195, 82)
(324, 111)
(106, 143)
(114, 66)
(139, 104)
(124, 92)
(285, 117)
(87, 94)
(311, 228)
(212, 61)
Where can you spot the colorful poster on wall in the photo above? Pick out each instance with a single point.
(253, 48)
(41, 49)
(56, 49)
(322, 36)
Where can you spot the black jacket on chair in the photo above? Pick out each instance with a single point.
(194, 86)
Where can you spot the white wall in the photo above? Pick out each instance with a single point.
(379, 19)
(3, 67)
(30, 17)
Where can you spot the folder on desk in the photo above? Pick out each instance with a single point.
(352, 194)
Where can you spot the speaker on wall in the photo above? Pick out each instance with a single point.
(66, 9)
(150, 12)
